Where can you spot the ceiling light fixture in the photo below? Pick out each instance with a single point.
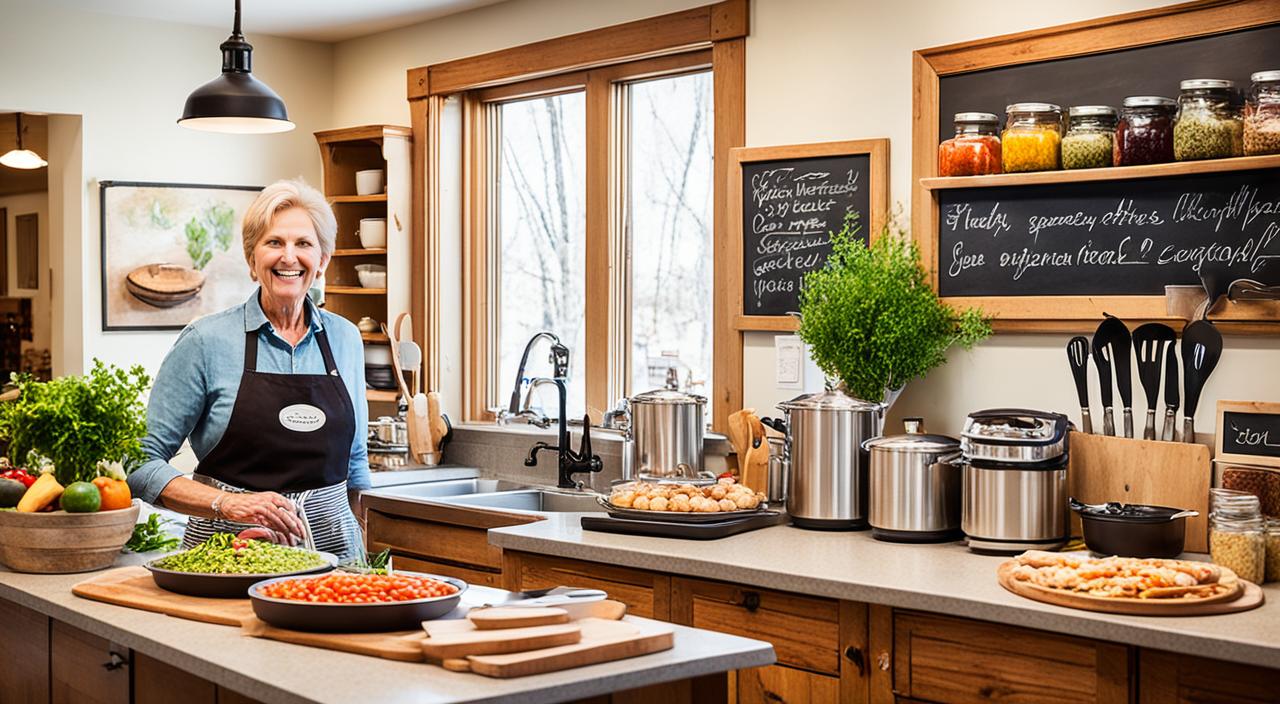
(235, 102)
(22, 158)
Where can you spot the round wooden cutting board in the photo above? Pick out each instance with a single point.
(1240, 596)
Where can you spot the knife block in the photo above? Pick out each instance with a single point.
(1153, 472)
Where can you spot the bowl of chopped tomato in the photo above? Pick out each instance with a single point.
(343, 602)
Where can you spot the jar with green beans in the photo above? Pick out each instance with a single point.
(1090, 137)
(1207, 125)
(224, 553)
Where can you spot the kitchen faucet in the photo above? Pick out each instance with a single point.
(569, 462)
(559, 357)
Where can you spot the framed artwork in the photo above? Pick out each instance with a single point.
(171, 252)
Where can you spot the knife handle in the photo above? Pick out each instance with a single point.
(1128, 422)
(1170, 433)
(1188, 429)
(1149, 432)
(1108, 422)
(1086, 422)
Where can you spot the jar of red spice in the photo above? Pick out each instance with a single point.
(974, 150)
(1262, 115)
(1144, 134)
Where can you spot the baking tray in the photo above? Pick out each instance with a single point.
(688, 531)
(222, 586)
(380, 617)
(678, 516)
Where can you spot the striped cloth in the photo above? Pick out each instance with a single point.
(333, 527)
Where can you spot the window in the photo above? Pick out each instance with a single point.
(539, 229)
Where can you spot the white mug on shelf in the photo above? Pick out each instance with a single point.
(372, 233)
(370, 182)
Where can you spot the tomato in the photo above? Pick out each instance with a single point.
(358, 589)
(115, 493)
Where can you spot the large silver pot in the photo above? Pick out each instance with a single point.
(829, 475)
(915, 486)
(665, 436)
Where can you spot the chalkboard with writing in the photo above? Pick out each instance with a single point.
(1130, 237)
(1249, 432)
(791, 200)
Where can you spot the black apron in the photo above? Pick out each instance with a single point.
(292, 434)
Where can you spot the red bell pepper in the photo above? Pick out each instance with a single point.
(21, 475)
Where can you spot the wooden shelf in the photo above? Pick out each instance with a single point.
(375, 337)
(359, 252)
(1115, 173)
(375, 198)
(381, 395)
(355, 290)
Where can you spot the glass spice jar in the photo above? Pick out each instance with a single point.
(1208, 125)
(1237, 539)
(1261, 482)
(975, 149)
(1032, 137)
(1090, 137)
(1262, 114)
(1144, 133)
(1273, 550)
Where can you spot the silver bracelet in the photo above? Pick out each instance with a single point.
(216, 505)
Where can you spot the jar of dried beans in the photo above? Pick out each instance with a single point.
(974, 150)
(1262, 115)
(1090, 137)
(1208, 125)
(1237, 537)
(1262, 483)
(1273, 550)
(1144, 134)
(1032, 136)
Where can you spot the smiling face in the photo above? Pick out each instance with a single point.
(287, 259)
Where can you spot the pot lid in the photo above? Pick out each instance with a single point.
(667, 396)
(1128, 513)
(914, 440)
(829, 400)
(1015, 426)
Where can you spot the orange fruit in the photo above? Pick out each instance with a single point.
(115, 493)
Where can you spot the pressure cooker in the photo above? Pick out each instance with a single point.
(829, 479)
(1015, 480)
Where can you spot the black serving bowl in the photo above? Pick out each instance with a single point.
(1133, 530)
(222, 586)
(381, 617)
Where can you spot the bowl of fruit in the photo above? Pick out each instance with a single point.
(51, 529)
(345, 602)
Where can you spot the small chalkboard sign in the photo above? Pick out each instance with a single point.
(784, 204)
(1249, 432)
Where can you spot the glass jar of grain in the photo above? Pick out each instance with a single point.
(1031, 138)
(1207, 125)
(1273, 550)
(1262, 115)
(1237, 538)
(1090, 137)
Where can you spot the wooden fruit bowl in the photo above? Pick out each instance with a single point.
(59, 542)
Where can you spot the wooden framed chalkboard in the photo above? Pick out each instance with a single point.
(784, 203)
(1249, 432)
(1053, 251)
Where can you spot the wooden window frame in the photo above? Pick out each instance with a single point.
(711, 35)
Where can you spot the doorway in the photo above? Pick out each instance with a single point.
(26, 312)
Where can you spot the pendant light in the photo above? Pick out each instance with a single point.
(22, 158)
(235, 102)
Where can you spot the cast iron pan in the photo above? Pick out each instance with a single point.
(1133, 530)
(223, 586)
(354, 618)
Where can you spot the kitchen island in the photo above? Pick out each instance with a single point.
(243, 669)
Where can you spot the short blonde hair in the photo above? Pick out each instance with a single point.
(281, 195)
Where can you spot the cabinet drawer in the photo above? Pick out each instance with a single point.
(77, 671)
(436, 541)
(466, 574)
(804, 631)
(24, 661)
(1174, 678)
(158, 682)
(645, 593)
(784, 685)
(944, 659)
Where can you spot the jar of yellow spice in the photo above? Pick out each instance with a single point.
(1032, 137)
(1237, 537)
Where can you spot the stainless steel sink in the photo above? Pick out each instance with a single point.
(452, 487)
(531, 500)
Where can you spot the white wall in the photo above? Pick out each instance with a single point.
(128, 79)
(25, 204)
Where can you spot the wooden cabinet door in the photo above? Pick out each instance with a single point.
(24, 648)
(945, 660)
(776, 684)
(158, 682)
(86, 669)
(1174, 678)
(646, 594)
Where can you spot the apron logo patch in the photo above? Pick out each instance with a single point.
(302, 417)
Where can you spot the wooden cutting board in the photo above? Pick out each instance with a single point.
(405, 646)
(133, 587)
(1241, 596)
(444, 645)
(602, 641)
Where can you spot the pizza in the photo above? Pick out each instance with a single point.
(1119, 577)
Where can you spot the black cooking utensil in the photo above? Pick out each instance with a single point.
(1149, 342)
(1078, 358)
(1170, 392)
(1113, 335)
(1201, 348)
(1102, 360)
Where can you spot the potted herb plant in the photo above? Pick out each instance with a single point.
(871, 319)
(72, 428)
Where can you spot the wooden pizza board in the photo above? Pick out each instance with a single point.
(602, 641)
(133, 587)
(1240, 596)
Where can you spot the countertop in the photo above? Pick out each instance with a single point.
(281, 673)
(946, 579)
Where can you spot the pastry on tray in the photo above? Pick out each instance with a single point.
(1120, 577)
(724, 496)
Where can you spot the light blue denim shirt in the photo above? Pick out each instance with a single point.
(199, 380)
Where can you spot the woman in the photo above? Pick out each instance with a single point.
(270, 393)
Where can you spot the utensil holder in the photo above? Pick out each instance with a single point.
(1153, 472)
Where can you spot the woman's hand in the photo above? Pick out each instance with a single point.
(265, 508)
